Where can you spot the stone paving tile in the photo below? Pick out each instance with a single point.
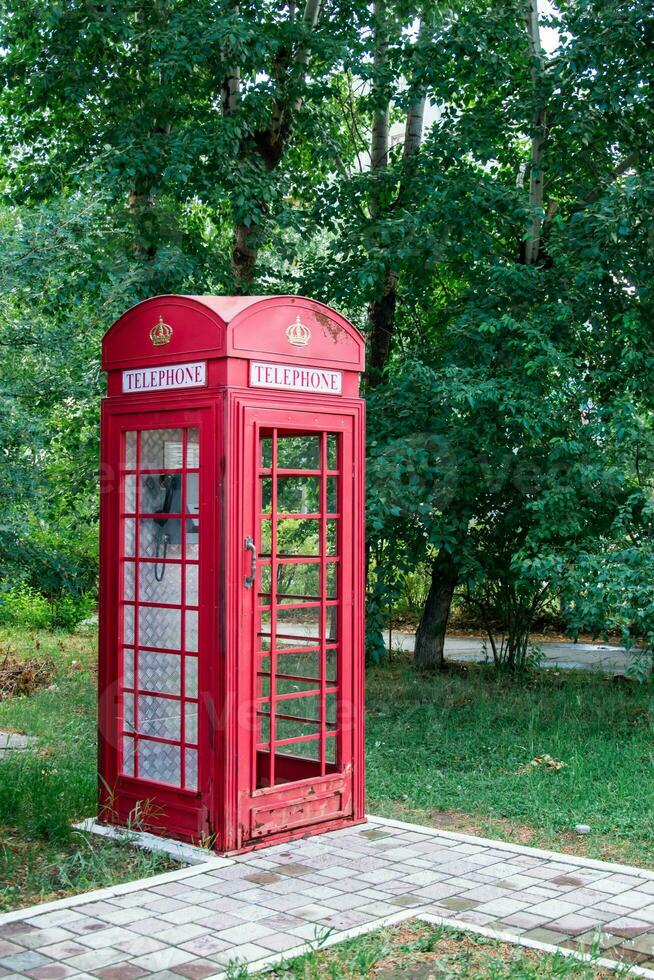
(269, 902)
(627, 928)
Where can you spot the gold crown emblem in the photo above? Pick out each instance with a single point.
(298, 334)
(161, 333)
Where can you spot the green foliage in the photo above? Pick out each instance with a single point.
(513, 421)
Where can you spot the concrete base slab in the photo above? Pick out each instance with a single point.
(177, 850)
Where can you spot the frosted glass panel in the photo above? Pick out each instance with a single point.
(191, 665)
(191, 763)
(128, 756)
(159, 717)
(160, 479)
(160, 762)
(130, 450)
(191, 722)
(167, 590)
(192, 631)
(159, 627)
(160, 672)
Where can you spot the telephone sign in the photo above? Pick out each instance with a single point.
(160, 378)
(231, 573)
(295, 378)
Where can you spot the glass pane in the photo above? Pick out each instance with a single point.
(128, 756)
(266, 494)
(298, 582)
(191, 767)
(332, 666)
(298, 494)
(128, 624)
(332, 623)
(332, 494)
(159, 628)
(330, 751)
(192, 496)
(263, 686)
(160, 538)
(128, 668)
(301, 750)
(193, 448)
(266, 537)
(264, 728)
(307, 708)
(289, 728)
(130, 450)
(128, 580)
(332, 537)
(193, 540)
(287, 642)
(332, 451)
(299, 622)
(330, 709)
(266, 452)
(128, 712)
(297, 537)
(159, 717)
(160, 672)
(332, 580)
(191, 631)
(160, 583)
(160, 762)
(129, 535)
(292, 686)
(300, 665)
(298, 452)
(191, 722)
(161, 449)
(191, 672)
(129, 493)
(161, 493)
(192, 585)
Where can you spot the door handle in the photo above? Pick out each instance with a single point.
(249, 579)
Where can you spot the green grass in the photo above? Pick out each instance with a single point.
(460, 742)
(41, 792)
(417, 950)
(453, 749)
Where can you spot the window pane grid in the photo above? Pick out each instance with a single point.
(159, 615)
(297, 609)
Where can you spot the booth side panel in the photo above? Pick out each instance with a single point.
(230, 731)
(359, 538)
(105, 777)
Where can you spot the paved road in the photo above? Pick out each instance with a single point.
(564, 656)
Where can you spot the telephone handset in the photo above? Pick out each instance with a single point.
(165, 493)
(172, 503)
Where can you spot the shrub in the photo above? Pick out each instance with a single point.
(23, 607)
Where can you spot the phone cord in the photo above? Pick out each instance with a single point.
(160, 538)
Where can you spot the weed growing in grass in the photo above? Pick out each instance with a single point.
(417, 950)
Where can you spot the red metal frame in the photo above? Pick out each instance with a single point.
(303, 773)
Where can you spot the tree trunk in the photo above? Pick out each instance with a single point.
(381, 317)
(244, 257)
(539, 129)
(430, 636)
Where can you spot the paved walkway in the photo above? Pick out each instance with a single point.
(564, 656)
(193, 922)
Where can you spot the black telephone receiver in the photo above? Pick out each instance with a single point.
(171, 485)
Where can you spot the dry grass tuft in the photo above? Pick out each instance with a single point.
(23, 676)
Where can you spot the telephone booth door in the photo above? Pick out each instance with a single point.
(297, 604)
(159, 645)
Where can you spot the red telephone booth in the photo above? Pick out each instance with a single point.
(231, 603)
